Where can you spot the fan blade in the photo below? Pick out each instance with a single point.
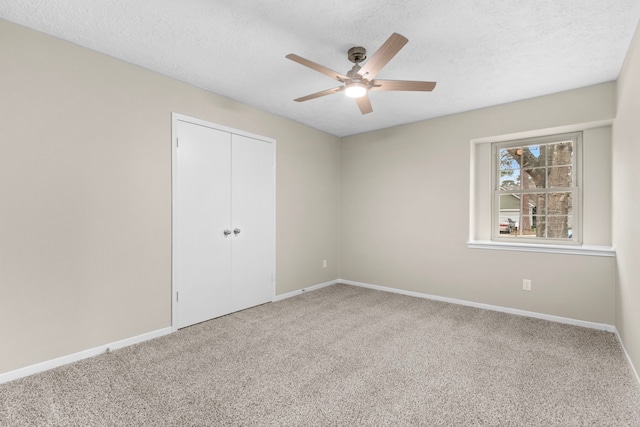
(320, 68)
(406, 85)
(364, 104)
(379, 59)
(319, 94)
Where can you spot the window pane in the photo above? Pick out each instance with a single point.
(532, 222)
(559, 227)
(509, 203)
(529, 221)
(559, 176)
(526, 225)
(537, 227)
(509, 158)
(560, 153)
(534, 204)
(534, 178)
(510, 179)
(508, 224)
(560, 203)
(534, 156)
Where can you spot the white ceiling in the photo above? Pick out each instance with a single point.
(481, 52)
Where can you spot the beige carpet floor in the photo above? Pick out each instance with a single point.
(344, 356)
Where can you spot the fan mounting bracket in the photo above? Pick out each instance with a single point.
(357, 54)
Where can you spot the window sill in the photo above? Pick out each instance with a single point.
(606, 251)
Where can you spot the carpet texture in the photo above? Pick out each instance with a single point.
(343, 355)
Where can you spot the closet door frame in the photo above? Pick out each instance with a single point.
(175, 119)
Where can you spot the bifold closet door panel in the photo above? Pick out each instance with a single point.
(203, 201)
(253, 221)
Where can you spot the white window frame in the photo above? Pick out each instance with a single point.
(575, 189)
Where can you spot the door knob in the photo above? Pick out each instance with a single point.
(227, 232)
(236, 231)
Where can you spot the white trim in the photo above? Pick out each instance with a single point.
(624, 350)
(557, 319)
(85, 354)
(274, 260)
(303, 290)
(606, 251)
(472, 191)
(181, 117)
(174, 188)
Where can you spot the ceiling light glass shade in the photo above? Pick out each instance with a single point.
(355, 90)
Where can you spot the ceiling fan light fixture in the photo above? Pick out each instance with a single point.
(355, 90)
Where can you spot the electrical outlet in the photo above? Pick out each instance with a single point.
(324, 263)
(526, 284)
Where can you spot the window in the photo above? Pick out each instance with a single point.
(536, 194)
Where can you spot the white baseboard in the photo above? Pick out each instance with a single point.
(301, 291)
(633, 368)
(65, 360)
(558, 319)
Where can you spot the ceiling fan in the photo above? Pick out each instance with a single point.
(360, 79)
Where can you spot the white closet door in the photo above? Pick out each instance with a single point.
(253, 219)
(203, 213)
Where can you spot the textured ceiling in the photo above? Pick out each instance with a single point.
(481, 52)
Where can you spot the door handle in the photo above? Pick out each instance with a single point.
(236, 231)
(226, 232)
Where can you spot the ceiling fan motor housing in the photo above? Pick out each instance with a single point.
(357, 54)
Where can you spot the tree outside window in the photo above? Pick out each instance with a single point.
(536, 189)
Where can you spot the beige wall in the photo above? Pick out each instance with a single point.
(405, 210)
(626, 201)
(85, 179)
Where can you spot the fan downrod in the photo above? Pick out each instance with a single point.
(357, 54)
